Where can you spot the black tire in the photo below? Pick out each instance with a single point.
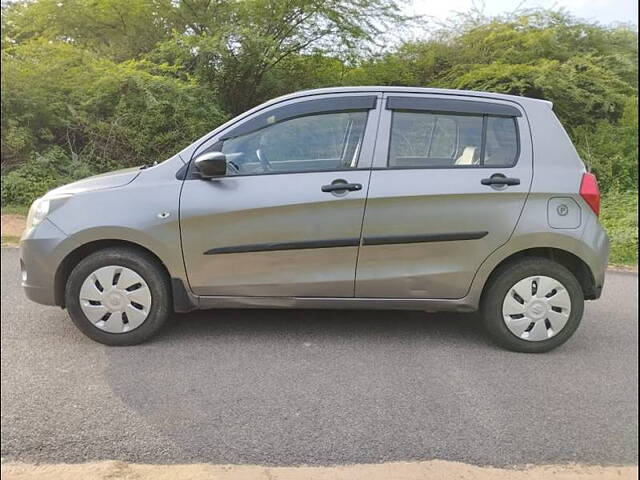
(504, 279)
(143, 264)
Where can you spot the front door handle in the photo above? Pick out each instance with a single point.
(341, 186)
(500, 180)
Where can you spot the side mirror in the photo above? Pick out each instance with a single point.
(211, 164)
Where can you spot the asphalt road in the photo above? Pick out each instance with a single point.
(314, 387)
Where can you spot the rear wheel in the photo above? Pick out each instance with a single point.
(533, 305)
(118, 296)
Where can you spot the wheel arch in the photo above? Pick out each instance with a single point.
(569, 260)
(181, 300)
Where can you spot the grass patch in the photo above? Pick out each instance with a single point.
(10, 240)
(619, 217)
(14, 210)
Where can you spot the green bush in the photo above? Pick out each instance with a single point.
(106, 114)
(620, 218)
(610, 150)
(30, 180)
(95, 85)
(23, 184)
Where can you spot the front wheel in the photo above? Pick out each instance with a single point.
(533, 305)
(118, 296)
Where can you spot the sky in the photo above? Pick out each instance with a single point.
(603, 11)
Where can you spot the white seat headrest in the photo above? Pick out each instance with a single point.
(467, 156)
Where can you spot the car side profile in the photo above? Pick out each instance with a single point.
(354, 197)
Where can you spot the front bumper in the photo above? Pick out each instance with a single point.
(41, 252)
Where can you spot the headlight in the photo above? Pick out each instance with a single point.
(41, 208)
(41, 211)
(37, 212)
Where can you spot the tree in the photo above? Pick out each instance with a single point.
(94, 84)
(229, 45)
(107, 114)
(233, 46)
(117, 29)
(587, 70)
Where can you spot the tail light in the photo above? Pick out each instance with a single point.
(590, 192)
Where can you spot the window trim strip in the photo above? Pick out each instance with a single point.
(299, 109)
(483, 140)
(437, 105)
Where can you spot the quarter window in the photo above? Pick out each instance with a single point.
(427, 139)
(502, 141)
(327, 141)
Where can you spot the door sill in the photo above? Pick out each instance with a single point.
(338, 303)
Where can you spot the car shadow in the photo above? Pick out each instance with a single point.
(329, 324)
(264, 380)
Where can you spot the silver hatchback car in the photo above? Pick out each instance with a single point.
(364, 197)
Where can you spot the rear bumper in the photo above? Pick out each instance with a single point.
(596, 255)
(40, 254)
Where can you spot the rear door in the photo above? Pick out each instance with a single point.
(286, 220)
(450, 179)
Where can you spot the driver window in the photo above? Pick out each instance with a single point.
(326, 141)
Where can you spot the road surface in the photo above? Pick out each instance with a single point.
(318, 387)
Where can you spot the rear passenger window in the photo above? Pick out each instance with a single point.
(428, 139)
(502, 141)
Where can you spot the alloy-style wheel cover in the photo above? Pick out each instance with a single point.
(115, 299)
(536, 308)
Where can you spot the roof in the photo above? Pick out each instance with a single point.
(388, 89)
(187, 152)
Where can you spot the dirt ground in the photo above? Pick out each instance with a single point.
(432, 470)
(12, 225)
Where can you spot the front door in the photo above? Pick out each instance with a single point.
(450, 179)
(286, 220)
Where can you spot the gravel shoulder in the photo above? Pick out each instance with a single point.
(433, 470)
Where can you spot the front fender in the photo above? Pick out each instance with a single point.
(143, 212)
(166, 246)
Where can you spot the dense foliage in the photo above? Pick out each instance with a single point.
(91, 85)
(620, 218)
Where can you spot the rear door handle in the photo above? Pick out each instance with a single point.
(499, 179)
(340, 186)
